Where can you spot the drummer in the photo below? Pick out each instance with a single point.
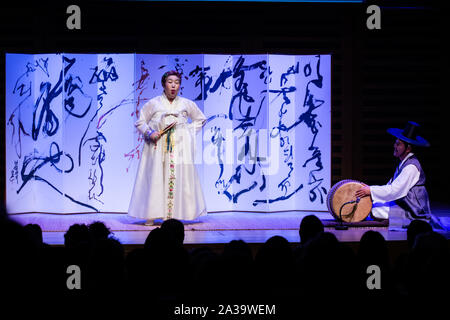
(404, 198)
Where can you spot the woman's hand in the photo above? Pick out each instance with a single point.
(151, 136)
(363, 192)
(154, 137)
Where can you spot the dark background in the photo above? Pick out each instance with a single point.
(380, 78)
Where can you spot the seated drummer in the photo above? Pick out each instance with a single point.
(404, 198)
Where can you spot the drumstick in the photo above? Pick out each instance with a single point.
(170, 126)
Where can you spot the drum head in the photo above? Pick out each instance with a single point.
(343, 192)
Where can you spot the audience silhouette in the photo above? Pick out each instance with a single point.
(274, 266)
(99, 231)
(175, 230)
(415, 228)
(163, 271)
(427, 269)
(373, 251)
(310, 226)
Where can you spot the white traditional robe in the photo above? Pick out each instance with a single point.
(167, 185)
(383, 197)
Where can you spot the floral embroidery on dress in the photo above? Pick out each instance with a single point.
(171, 176)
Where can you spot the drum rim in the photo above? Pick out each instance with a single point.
(333, 189)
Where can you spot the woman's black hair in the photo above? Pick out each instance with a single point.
(168, 74)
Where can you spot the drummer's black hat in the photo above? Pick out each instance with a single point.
(409, 134)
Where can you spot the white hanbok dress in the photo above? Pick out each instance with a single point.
(167, 184)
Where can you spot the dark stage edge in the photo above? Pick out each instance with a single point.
(217, 239)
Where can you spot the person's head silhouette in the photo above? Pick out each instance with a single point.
(310, 227)
(415, 228)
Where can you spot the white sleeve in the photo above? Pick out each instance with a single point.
(398, 188)
(145, 121)
(197, 117)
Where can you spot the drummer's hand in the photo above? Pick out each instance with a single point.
(155, 136)
(363, 192)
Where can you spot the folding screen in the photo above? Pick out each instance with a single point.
(71, 144)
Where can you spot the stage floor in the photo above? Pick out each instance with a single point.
(217, 228)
